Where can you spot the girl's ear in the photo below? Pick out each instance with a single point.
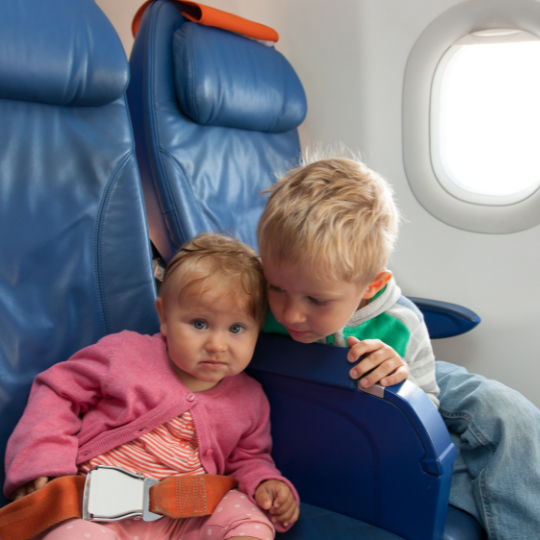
(377, 284)
(162, 313)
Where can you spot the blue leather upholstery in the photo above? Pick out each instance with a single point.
(76, 260)
(72, 67)
(195, 177)
(444, 319)
(75, 263)
(223, 79)
(320, 524)
(385, 461)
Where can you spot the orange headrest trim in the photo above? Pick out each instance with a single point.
(209, 16)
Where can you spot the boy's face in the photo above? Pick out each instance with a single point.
(210, 335)
(310, 306)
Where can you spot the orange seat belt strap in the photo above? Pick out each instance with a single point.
(58, 500)
(210, 16)
(62, 498)
(189, 496)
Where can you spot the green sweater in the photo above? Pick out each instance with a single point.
(396, 321)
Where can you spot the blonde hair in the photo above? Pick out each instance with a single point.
(334, 214)
(210, 256)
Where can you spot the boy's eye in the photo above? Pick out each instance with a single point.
(199, 324)
(236, 329)
(316, 302)
(273, 288)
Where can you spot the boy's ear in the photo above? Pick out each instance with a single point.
(162, 313)
(377, 284)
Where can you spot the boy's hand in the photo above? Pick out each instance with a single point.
(276, 497)
(388, 367)
(30, 487)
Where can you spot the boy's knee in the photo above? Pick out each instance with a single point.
(457, 386)
(509, 405)
(487, 408)
(443, 369)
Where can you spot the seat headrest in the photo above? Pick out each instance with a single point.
(82, 65)
(223, 79)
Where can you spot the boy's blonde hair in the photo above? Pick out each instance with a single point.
(211, 258)
(333, 214)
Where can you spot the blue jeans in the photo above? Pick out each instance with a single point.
(497, 435)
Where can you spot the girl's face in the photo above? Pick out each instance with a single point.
(210, 334)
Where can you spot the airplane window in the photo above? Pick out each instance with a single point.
(471, 116)
(485, 117)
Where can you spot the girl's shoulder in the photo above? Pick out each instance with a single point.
(132, 343)
(245, 389)
(243, 380)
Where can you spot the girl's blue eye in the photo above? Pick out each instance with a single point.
(236, 329)
(199, 325)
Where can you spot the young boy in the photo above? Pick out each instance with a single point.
(176, 403)
(325, 237)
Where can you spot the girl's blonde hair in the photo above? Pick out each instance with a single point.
(211, 258)
(334, 214)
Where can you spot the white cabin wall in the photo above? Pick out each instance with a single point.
(351, 57)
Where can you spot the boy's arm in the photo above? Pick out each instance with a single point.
(44, 442)
(421, 361)
(382, 364)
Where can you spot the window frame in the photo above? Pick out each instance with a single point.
(429, 50)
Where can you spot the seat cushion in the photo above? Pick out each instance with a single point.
(319, 524)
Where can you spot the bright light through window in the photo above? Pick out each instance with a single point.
(486, 121)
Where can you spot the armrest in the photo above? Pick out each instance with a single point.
(384, 460)
(444, 319)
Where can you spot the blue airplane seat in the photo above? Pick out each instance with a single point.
(215, 117)
(75, 263)
(206, 174)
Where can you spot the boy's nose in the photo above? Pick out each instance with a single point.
(292, 313)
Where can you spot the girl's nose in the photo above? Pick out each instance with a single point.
(216, 343)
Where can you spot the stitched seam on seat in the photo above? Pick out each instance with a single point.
(174, 213)
(100, 221)
(281, 115)
(151, 136)
(192, 74)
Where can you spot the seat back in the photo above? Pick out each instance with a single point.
(208, 148)
(75, 263)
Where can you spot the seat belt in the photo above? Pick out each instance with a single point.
(114, 497)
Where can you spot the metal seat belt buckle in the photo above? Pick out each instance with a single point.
(113, 494)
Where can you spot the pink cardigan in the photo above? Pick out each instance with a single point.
(122, 387)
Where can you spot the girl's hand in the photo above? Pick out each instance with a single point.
(386, 366)
(30, 487)
(276, 497)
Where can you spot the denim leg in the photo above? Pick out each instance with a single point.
(497, 435)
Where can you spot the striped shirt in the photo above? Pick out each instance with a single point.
(168, 450)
